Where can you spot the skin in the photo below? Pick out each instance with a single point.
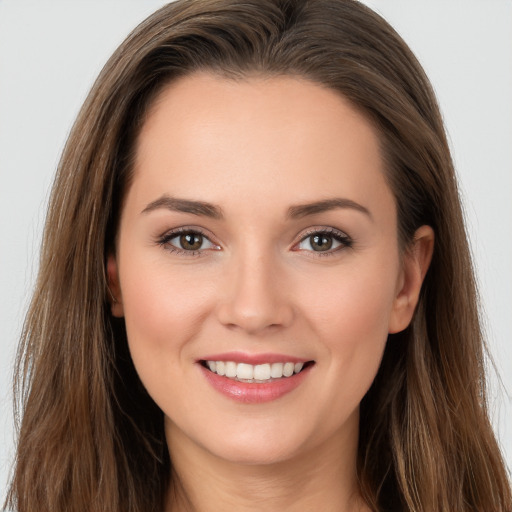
(255, 148)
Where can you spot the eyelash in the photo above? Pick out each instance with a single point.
(165, 240)
(339, 236)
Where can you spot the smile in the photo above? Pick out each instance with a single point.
(254, 379)
(249, 373)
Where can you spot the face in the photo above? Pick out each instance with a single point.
(257, 265)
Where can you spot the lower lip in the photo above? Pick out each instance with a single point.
(254, 393)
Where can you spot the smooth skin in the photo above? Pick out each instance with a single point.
(247, 274)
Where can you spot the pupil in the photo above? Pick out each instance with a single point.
(321, 242)
(191, 241)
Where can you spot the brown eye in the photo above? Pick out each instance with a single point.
(325, 241)
(191, 241)
(187, 242)
(321, 242)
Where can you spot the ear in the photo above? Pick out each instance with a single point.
(416, 261)
(115, 298)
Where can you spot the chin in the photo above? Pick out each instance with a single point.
(253, 442)
(255, 454)
(258, 444)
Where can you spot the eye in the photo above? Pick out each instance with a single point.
(324, 241)
(187, 241)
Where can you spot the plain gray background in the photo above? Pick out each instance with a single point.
(51, 51)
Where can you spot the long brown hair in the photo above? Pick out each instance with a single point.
(90, 437)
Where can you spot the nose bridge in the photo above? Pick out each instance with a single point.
(255, 298)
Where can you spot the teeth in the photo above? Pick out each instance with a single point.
(254, 373)
(288, 369)
(244, 371)
(262, 372)
(276, 370)
(230, 369)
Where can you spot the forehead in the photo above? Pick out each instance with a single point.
(257, 138)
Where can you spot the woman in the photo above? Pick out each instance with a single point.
(255, 289)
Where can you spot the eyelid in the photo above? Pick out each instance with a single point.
(164, 239)
(340, 236)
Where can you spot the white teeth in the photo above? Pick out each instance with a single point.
(276, 370)
(288, 369)
(230, 369)
(245, 371)
(254, 373)
(262, 372)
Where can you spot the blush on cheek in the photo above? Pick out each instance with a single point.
(163, 309)
(356, 308)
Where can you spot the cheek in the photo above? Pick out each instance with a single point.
(354, 306)
(163, 310)
(351, 317)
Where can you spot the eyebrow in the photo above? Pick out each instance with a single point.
(186, 206)
(303, 210)
(205, 209)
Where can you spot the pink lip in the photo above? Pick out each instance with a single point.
(242, 357)
(254, 393)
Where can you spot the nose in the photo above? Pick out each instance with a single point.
(254, 297)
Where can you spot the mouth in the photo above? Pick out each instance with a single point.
(264, 373)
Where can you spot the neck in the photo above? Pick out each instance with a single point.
(323, 478)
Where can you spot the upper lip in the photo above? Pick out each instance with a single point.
(243, 357)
